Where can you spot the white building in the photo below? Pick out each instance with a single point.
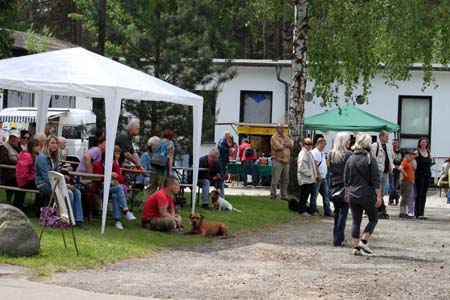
(255, 95)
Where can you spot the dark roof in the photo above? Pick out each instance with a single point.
(55, 44)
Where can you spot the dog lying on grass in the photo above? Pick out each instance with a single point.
(206, 228)
(220, 203)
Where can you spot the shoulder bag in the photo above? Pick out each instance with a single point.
(158, 160)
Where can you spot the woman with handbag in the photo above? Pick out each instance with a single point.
(47, 161)
(362, 189)
(116, 190)
(337, 159)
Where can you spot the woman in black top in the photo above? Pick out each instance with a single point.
(337, 159)
(422, 176)
(362, 189)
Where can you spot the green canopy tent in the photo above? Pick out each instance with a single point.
(348, 118)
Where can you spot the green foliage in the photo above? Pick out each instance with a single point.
(349, 42)
(175, 41)
(97, 250)
(36, 43)
(8, 16)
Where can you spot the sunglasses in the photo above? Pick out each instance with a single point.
(26, 137)
(307, 144)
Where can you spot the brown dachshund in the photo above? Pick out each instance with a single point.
(206, 228)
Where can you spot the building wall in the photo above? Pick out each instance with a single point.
(383, 102)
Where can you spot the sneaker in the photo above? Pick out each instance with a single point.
(329, 215)
(205, 206)
(118, 225)
(314, 214)
(356, 252)
(404, 216)
(305, 214)
(129, 216)
(365, 248)
(80, 225)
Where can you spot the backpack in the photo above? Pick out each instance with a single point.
(248, 151)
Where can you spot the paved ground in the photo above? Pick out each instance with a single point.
(290, 261)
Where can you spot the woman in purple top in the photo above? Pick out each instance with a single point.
(91, 156)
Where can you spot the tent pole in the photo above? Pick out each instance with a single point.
(112, 113)
(42, 101)
(197, 114)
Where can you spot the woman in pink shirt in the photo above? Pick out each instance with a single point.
(25, 170)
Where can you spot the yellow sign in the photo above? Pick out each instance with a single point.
(258, 130)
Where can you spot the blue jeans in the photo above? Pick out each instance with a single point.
(384, 177)
(119, 200)
(249, 166)
(322, 188)
(75, 202)
(205, 185)
(340, 218)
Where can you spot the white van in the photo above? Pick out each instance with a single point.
(76, 125)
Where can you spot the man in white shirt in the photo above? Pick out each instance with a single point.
(322, 183)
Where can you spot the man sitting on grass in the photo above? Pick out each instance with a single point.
(159, 210)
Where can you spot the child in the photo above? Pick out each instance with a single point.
(406, 182)
(117, 192)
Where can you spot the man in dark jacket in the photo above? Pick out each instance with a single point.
(224, 150)
(212, 175)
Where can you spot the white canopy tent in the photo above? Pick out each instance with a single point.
(78, 72)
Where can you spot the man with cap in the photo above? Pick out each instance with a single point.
(8, 156)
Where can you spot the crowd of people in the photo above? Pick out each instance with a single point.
(359, 177)
(351, 178)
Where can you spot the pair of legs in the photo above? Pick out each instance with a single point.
(119, 201)
(422, 184)
(280, 175)
(163, 224)
(322, 188)
(248, 166)
(394, 180)
(19, 198)
(357, 208)
(340, 218)
(412, 200)
(205, 184)
(156, 182)
(405, 191)
(305, 191)
(75, 202)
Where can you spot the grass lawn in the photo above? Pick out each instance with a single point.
(97, 249)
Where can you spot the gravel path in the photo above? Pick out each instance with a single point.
(291, 261)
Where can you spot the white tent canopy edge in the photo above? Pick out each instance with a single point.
(78, 72)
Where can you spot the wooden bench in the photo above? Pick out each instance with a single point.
(17, 189)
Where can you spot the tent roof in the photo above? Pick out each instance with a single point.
(348, 118)
(79, 72)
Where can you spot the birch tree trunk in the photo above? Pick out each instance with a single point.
(298, 88)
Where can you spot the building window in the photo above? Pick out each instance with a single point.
(18, 99)
(62, 101)
(209, 115)
(414, 117)
(256, 107)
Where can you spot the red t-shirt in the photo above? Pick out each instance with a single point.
(407, 167)
(151, 207)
